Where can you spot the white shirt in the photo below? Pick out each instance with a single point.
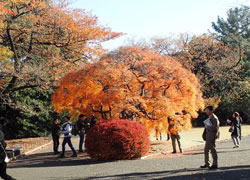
(67, 129)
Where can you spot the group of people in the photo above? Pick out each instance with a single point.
(82, 126)
(210, 135)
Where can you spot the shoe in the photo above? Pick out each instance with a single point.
(80, 151)
(213, 167)
(174, 152)
(56, 153)
(204, 166)
(181, 151)
(9, 178)
(74, 155)
(236, 146)
(61, 156)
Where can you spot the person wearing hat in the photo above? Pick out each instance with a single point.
(3, 155)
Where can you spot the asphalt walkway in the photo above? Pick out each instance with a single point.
(234, 164)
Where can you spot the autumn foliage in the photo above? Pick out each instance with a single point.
(132, 83)
(41, 39)
(117, 139)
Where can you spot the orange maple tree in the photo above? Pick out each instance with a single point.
(132, 83)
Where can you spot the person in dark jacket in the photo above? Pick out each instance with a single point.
(93, 120)
(81, 130)
(235, 129)
(56, 130)
(87, 124)
(3, 164)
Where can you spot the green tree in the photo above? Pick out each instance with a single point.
(40, 41)
(235, 32)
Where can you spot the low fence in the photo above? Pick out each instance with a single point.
(28, 144)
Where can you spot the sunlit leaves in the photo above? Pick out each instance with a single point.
(132, 83)
(47, 39)
(5, 53)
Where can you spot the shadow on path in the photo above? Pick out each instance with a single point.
(199, 152)
(228, 173)
(51, 160)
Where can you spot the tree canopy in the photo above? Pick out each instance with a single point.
(132, 83)
(40, 41)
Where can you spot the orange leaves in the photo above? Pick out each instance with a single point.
(133, 83)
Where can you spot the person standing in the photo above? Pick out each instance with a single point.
(174, 135)
(211, 133)
(3, 164)
(235, 129)
(93, 120)
(81, 130)
(87, 125)
(56, 129)
(66, 130)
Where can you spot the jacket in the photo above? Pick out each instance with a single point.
(236, 127)
(67, 129)
(55, 129)
(80, 126)
(212, 132)
(2, 147)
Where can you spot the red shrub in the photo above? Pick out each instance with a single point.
(117, 139)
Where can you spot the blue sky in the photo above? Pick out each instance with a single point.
(143, 19)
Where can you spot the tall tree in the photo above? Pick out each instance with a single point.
(45, 38)
(40, 41)
(235, 31)
(132, 83)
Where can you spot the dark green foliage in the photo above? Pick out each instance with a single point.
(32, 115)
(235, 32)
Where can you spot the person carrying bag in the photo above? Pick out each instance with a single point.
(3, 155)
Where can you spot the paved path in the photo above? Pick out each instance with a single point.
(234, 165)
(193, 137)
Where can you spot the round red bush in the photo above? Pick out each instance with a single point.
(117, 139)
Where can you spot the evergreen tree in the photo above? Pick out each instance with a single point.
(234, 31)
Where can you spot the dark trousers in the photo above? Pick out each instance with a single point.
(67, 140)
(175, 138)
(55, 142)
(3, 173)
(81, 135)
